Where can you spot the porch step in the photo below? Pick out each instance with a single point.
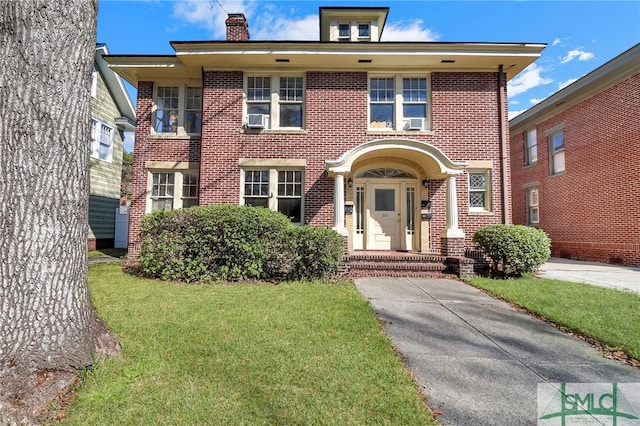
(396, 264)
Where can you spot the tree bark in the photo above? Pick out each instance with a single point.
(48, 329)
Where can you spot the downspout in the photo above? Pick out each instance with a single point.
(504, 153)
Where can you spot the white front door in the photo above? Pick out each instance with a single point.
(385, 217)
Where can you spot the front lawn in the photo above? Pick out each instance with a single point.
(293, 353)
(609, 316)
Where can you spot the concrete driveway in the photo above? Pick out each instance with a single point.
(477, 359)
(624, 278)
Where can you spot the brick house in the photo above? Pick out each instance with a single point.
(574, 159)
(397, 145)
(112, 114)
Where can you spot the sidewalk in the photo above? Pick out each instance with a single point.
(600, 274)
(477, 359)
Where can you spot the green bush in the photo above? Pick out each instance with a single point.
(513, 249)
(317, 252)
(233, 243)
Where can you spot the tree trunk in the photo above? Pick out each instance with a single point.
(48, 329)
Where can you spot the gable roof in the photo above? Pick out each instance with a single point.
(616, 70)
(116, 88)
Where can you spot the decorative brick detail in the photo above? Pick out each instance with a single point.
(591, 211)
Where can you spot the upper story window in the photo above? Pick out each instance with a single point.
(344, 32)
(178, 110)
(364, 31)
(102, 137)
(398, 103)
(530, 147)
(275, 102)
(556, 152)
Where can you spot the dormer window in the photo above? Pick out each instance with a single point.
(344, 32)
(364, 31)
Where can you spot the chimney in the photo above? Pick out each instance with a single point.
(237, 27)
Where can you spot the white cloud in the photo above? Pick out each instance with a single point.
(529, 78)
(565, 83)
(269, 21)
(408, 31)
(515, 113)
(210, 15)
(534, 101)
(577, 53)
(555, 42)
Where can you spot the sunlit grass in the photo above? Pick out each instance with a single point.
(609, 316)
(295, 353)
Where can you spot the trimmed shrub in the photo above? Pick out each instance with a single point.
(233, 243)
(317, 252)
(513, 249)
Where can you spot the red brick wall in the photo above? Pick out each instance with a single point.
(464, 122)
(592, 211)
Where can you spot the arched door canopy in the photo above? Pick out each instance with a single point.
(434, 162)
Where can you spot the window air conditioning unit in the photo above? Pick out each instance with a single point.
(256, 121)
(415, 124)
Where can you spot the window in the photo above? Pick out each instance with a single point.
(280, 99)
(530, 148)
(276, 189)
(364, 31)
(399, 103)
(291, 101)
(533, 208)
(479, 191)
(163, 190)
(178, 110)
(381, 96)
(101, 141)
(414, 98)
(344, 32)
(189, 189)
(556, 152)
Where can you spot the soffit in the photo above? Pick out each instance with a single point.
(192, 57)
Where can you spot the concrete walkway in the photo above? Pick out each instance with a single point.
(477, 359)
(600, 274)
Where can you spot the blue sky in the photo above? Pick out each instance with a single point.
(581, 35)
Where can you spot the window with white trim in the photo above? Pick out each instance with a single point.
(399, 102)
(479, 190)
(279, 99)
(530, 147)
(279, 189)
(556, 152)
(102, 137)
(533, 206)
(364, 31)
(344, 32)
(178, 110)
(165, 193)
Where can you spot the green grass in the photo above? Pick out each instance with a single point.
(609, 316)
(295, 353)
(110, 251)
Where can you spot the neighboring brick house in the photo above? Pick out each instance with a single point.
(112, 113)
(396, 145)
(574, 159)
